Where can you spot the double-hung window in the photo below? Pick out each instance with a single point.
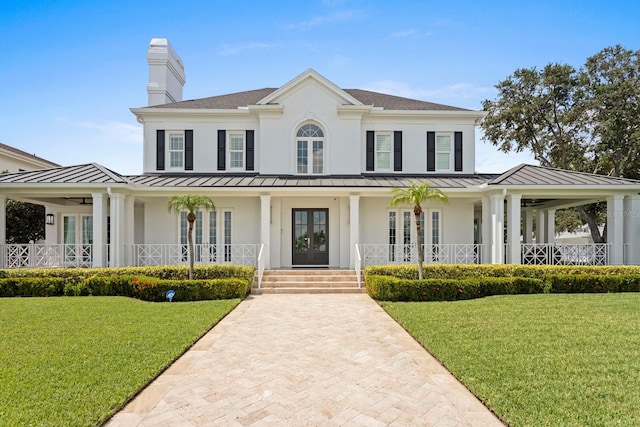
(443, 152)
(310, 150)
(383, 151)
(236, 144)
(176, 150)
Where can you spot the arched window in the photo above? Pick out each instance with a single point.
(309, 150)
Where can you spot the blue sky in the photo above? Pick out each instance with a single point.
(70, 70)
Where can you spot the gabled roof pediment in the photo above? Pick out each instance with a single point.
(305, 78)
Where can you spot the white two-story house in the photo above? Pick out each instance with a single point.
(301, 175)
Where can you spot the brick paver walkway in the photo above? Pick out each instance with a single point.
(306, 360)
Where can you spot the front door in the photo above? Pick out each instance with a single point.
(310, 237)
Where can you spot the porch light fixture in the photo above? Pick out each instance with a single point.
(49, 219)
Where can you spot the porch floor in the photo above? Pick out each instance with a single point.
(306, 360)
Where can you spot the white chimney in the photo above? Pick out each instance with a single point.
(166, 73)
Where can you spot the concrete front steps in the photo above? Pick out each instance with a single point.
(308, 281)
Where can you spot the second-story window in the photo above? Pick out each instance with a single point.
(176, 150)
(383, 151)
(236, 150)
(443, 152)
(310, 150)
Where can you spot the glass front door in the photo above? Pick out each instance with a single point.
(310, 237)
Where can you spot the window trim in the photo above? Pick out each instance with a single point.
(390, 134)
(228, 150)
(168, 135)
(450, 152)
(309, 144)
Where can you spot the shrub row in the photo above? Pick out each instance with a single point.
(459, 271)
(388, 288)
(399, 282)
(142, 287)
(165, 272)
(590, 283)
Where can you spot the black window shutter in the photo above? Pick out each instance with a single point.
(222, 152)
(160, 150)
(431, 151)
(188, 150)
(457, 138)
(250, 150)
(397, 150)
(370, 150)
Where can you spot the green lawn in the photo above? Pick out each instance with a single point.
(74, 361)
(539, 360)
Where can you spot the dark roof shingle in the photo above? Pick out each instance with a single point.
(232, 101)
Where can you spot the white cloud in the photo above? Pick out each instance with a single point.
(115, 131)
(325, 19)
(405, 33)
(227, 49)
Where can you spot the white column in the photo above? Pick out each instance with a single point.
(513, 228)
(117, 229)
(528, 227)
(550, 223)
(632, 229)
(486, 230)
(615, 223)
(265, 228)
(129, 206)
(497, 228)
(541, 233)
(100, 214)
(354, 228)
(3, 229)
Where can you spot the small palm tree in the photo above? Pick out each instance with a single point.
(415, 194)
(191, 204)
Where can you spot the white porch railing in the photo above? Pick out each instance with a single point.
(260, 265)
(565, 254)
(42, 256)
(374, 254)
(358, 265)
(172, 254)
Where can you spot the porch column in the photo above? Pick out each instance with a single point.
(100, 214)
(513, 227)
(354, 227)
(615, 222)
(3, 229)
(486, 232)
(265, 228)
(528, 227)
(497, 228)
(541, 228)
(117, 230)
(129, 202)
(550, 222)
(632, 229)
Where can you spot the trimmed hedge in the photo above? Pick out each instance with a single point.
(167, 272)
(146, 283)
(387, 288)
(141, 287)
(599, 283)
(456, 282)
(460, 271)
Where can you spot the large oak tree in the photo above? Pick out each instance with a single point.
(585, 120)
